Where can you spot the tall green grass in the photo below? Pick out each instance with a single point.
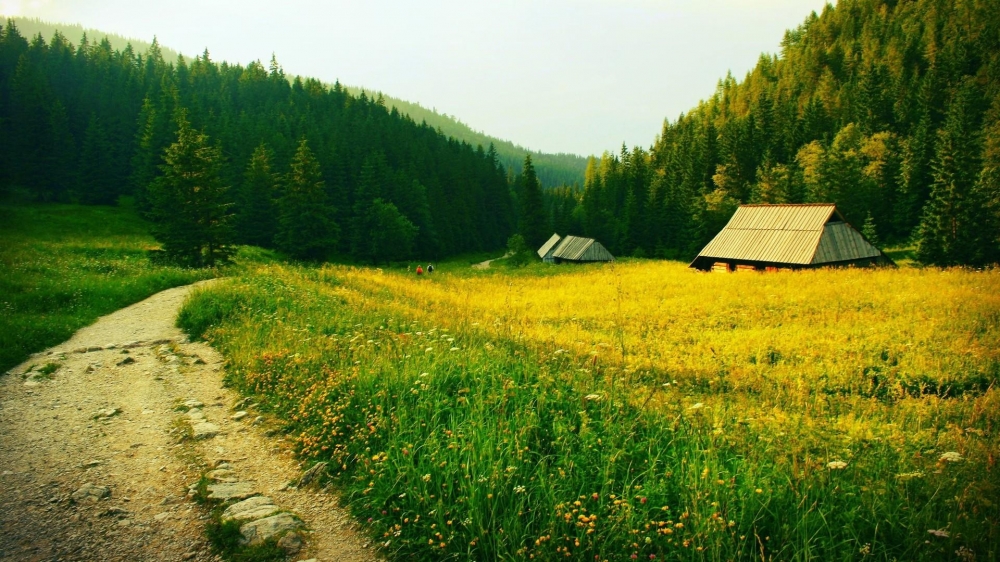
(484, 444)
(63, 266)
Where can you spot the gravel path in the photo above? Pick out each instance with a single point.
(108, 416)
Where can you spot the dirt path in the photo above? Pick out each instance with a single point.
(486, 264)
(61, 431)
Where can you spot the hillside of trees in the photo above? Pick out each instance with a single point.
(89, 123)
(552, 169)
(889, 108)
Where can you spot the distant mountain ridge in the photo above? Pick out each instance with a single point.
(553, 169)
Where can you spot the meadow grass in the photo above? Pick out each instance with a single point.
(634, 411)
(63, 266)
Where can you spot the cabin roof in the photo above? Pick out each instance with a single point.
(793, 234)
(548, 246)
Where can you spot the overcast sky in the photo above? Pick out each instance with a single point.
(578, 76)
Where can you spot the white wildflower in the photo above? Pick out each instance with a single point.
(939, 533)
(950, 456)
(836, 465)
(592, 397)
(518, 489)
(427, 478)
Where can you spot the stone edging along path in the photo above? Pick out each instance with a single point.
(106, 439)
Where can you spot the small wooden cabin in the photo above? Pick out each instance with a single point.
(545, 252)
(573, 249)
(772, 237)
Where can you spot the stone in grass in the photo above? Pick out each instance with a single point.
(291, 543)
(316, 471)
(226, 491)
(251, 509)
(238, 415)
(196, 414)
(258, 531)
(204, 430)
(90, 493)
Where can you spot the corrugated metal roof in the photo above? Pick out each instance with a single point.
(771, 233)
(548, 246)
(572, 247)
(575, 248)
(793, 234)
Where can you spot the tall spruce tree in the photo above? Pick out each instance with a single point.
(532, 224)
(256, 217)
(95, 184)
(950, 230)
(306, 228)
(190, 203)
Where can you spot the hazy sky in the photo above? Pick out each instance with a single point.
(579, 76)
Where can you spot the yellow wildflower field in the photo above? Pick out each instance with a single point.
(635, 409)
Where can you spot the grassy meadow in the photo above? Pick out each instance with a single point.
(634, 411)
(63, 266)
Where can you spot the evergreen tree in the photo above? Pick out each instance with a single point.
(390, 234)
(190, 205)
(306, 229)
(95, 187)
(532, 224)
(256, 217)
(950, 230)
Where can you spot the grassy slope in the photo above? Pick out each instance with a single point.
(63, 266)
(639, 410)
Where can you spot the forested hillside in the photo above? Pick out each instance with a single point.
(88, 123)
(553, 169)
(30, 27)
(888, 108)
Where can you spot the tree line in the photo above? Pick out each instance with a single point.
(888, 108)
(290, 164)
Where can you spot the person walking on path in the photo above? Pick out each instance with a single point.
(420, 270)
(430, 268)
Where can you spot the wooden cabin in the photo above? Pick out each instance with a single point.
(774, 237)
(573, 249)
(545, 252)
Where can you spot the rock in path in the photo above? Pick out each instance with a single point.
(260, 530)
(251, 509)
(226, 491)
(90, 493)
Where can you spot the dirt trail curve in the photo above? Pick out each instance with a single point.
(108, 416)
(486, 264)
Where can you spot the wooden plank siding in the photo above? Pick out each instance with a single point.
(840, 242)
